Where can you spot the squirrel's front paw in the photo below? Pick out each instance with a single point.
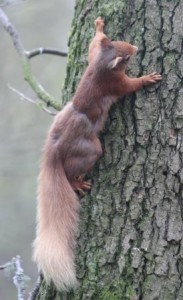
(152, 78)
(99, 24)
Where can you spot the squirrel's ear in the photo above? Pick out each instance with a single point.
(118, 60)
(115, 62)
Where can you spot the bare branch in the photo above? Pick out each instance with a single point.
(23, 97)
(28, 76)
(12, 32)
(10, 2)
(40, 51)
(18, 279)
(13, 268)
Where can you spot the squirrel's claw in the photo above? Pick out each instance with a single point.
(155, 77)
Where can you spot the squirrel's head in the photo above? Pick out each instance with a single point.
(115, 55)
(123, 51)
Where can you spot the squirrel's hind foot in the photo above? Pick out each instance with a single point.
(81, 186)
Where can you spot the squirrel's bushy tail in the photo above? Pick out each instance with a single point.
(57, 222)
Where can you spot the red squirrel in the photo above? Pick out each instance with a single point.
(71, 150)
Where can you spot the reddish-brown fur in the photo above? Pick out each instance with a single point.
(71, 150)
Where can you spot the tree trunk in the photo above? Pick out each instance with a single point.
(130, 241)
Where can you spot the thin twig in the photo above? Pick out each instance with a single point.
(36, 86)
(3, 267)
(23, 97)
(41, 51)
(48, 111)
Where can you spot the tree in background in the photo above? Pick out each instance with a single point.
(130, 240)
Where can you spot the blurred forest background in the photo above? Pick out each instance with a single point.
(23, 126)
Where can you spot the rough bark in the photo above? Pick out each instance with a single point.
(130, 241)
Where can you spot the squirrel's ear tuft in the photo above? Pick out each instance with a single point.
(126, 58)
